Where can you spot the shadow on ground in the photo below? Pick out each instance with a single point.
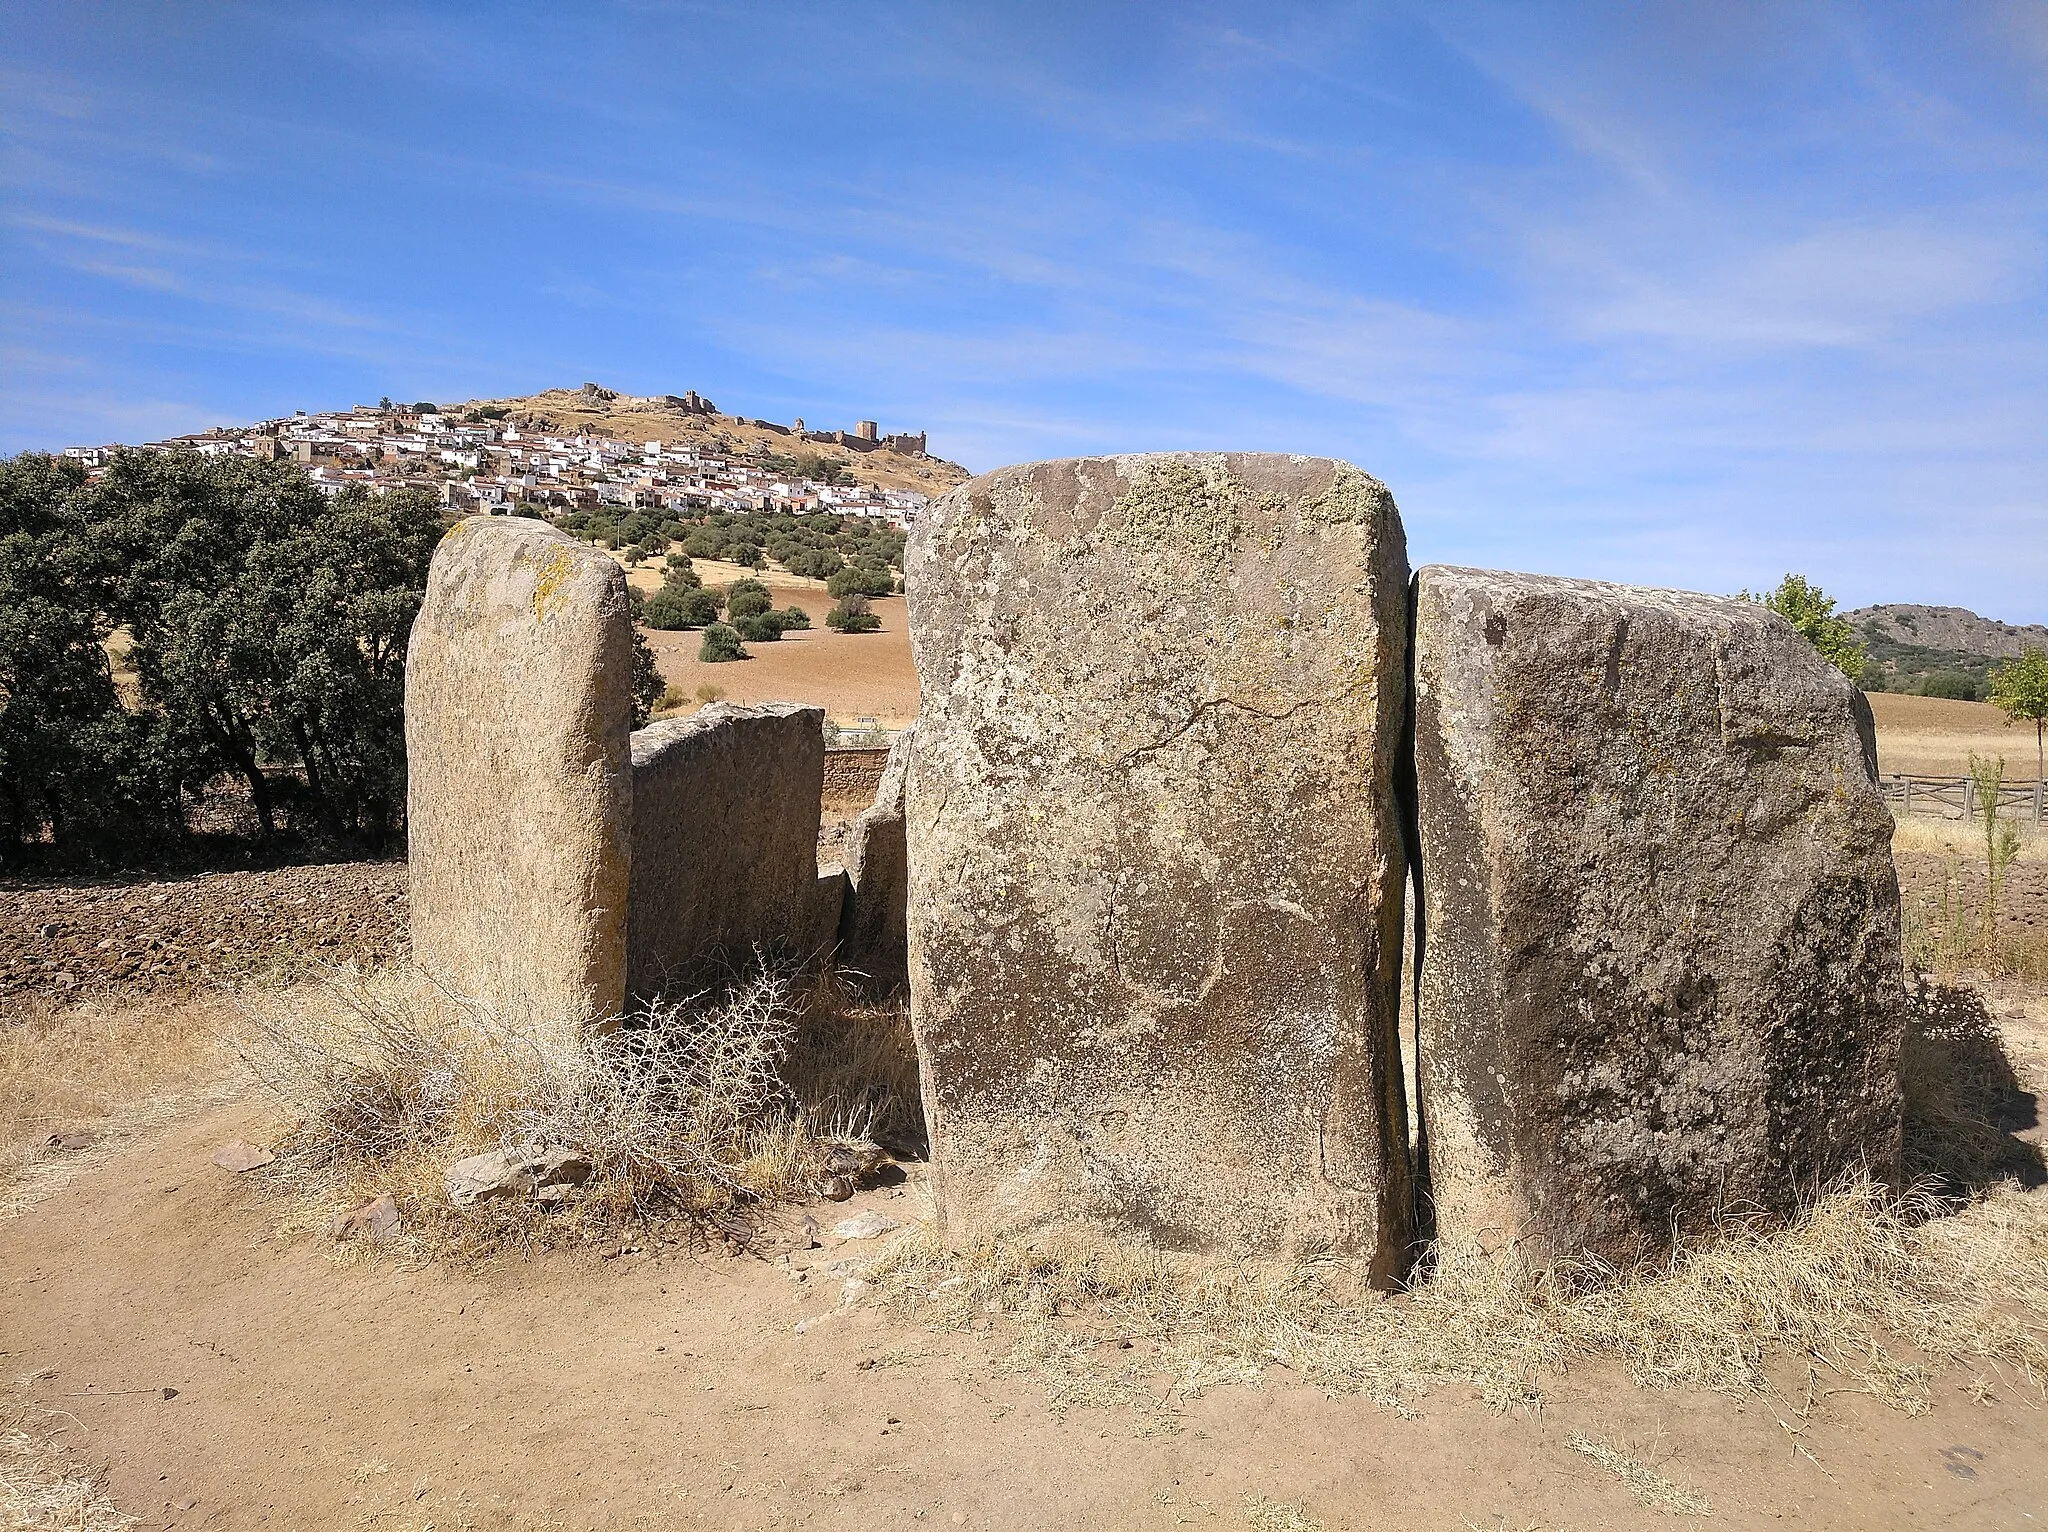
(1966, 1110)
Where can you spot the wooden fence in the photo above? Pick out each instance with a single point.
(1956, 798)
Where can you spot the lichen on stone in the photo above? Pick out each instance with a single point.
(1350, 496)
(547, 585)
(1184, 506)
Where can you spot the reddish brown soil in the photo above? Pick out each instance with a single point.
(863, 675)
(673, 1389)
(2022, 904)
(180, 933)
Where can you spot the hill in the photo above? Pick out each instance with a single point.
(888, 462)
(1952, 628)
(1950, 646)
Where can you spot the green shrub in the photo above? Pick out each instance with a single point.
(747, 598)
(1811, 611)
(1952, 684)
(269, 626)
(759, 627)
(862, 578)
(721, 643)
(675, 606)
(795, 619)
(647, 683)
(812, 563)
(676, 570)
(851, 615)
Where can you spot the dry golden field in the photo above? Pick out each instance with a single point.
(1932, 736)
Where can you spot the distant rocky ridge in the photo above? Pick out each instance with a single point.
(1947, 627)
(1941, 651)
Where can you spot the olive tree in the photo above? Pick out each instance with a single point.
(2019, 688)
(1812, 611)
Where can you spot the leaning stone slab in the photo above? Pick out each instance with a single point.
(1660, 978)
(725, 842)
(872, 935)
(1154, 855)
(518, 704)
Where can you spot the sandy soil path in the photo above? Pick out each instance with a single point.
(673, 1390)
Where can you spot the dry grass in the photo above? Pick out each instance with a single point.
(1947, 752)
(1934, 736)
(84, 1066)
(1278, 1516)
(42, 1486)
(1877, 1291)
(1644, 1482)
(700, 1109)
(1962, 839)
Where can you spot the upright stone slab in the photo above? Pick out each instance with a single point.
(872, 938)
(725, 841)
(1660, 974)
(518, 704)
(1154, 853)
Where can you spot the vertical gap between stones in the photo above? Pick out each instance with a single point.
(1414, 947)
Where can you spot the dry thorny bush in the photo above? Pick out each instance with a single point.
(697, 1109)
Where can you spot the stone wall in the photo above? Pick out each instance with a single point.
(873, 923)
(725, 840)
(853, 775)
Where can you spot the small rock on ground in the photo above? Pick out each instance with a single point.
(240, 1156)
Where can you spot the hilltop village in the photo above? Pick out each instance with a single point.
(586, 449)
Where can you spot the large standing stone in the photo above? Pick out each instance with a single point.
(1155, 860)
(518, 704)
(1660, 976)
(725, 842)
(872, 939)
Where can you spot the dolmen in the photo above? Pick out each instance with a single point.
(518, 716)
(873, 942)
(725, 843)
(1660, 979)
(1156, 855)
(1188, 730)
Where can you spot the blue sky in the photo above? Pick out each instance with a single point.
(1686, 295)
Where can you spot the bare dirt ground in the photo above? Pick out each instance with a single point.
(2022, 904)
(226, 1378)
(165, 935)
(160, 1326)
(1933, 736)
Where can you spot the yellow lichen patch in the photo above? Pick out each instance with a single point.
(1178, 506)
(547, 585)
(1350, 496)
